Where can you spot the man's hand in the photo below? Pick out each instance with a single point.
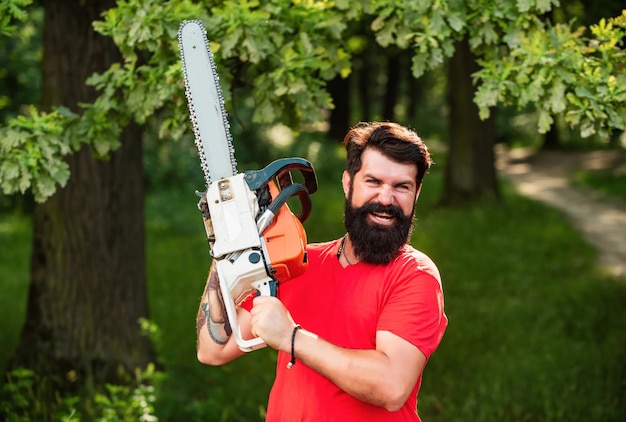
(203, 206)
(271, 321)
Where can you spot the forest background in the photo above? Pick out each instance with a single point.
(106, 256)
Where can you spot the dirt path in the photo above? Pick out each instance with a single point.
(545, 176)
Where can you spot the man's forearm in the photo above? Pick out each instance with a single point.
(215, 344)
(373, 376)
(212, 312)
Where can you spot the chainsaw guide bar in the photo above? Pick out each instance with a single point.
(206, 103)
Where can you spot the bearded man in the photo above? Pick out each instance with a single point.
(366, 315)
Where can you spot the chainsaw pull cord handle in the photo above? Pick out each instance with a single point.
(290, 191)
(281, 168)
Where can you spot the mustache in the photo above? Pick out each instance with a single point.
(378, 208)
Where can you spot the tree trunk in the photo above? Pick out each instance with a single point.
(414, 91)
(470, 170)
(615, 138)
(393, 82)
(339, 121)
(552, 138)
(88, 286)
(364, 82)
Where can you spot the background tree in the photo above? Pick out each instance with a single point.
(470, 172)
(87, 290)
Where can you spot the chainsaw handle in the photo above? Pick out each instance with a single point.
(235, 287)
(289, 192)
(281, 169)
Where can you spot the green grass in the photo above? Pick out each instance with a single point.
(536, 333)
(15, 236)
(610, 182)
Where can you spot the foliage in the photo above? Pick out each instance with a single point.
(559, 70)
(292, 48)
(524, 60)
(20, 73)
(32, 162)
(12, 12)
(150, 77)
(25, 397)
(288, 50)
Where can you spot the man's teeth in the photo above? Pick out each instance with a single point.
(384, 216)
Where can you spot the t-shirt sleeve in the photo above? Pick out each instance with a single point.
(414, 308)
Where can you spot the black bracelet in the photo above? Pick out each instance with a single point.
(293, 338)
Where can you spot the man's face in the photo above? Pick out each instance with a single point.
(380, 201)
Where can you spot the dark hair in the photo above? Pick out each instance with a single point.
(394, 141)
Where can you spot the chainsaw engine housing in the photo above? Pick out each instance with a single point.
(256, 240)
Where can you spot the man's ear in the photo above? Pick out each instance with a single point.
(417, 194)
(345, 181)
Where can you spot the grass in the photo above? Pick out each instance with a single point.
(15, 236)
(536, 333)
(609, 182)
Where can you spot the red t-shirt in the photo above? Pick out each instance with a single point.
(346, 306)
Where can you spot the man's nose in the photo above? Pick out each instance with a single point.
(385, 195)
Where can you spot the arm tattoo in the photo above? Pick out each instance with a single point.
(217, 322)
(218, 330)
(201, 318)
(214, 282)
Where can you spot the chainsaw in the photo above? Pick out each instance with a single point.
(254, 238)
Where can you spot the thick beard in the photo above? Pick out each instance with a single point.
(372, 242)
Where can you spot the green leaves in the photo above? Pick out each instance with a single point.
(32, 148)
(429, 28)
(560, 71)
(287, 51)
(10, 12)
